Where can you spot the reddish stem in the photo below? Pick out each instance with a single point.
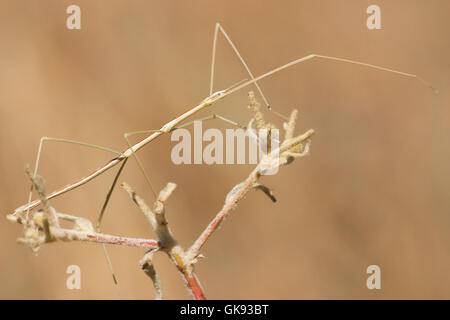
(194, 286)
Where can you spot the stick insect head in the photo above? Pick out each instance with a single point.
(222, 93)
(214, 97)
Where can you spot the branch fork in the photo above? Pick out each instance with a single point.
(43, 226)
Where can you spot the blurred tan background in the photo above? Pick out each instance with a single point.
(373, 191)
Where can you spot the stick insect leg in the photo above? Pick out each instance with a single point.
(211, 117)
(38, 157)
(236, 51)
(36, 167)
(100, 217)
(312, 56)
(139, 162)
(108, 196)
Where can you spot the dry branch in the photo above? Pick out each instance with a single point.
(42, 226)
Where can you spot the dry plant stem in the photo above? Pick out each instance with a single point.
(149, 269)
(184, 261)
(47, 219)
(71, 235)
(77, 235)
(168, 243)
(289, 134)
(240, 190)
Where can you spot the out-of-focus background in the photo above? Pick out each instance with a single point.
(373, 191)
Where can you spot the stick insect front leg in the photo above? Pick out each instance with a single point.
(323, 57)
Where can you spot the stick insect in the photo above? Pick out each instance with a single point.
(131, 151)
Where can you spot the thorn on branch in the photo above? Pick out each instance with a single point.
(266, 190)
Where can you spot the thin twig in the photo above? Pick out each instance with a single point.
(77, 235)
(167, 242)
(149, 269)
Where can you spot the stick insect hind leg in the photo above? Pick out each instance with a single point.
(238, 54)
(36, 167)
(38, 157)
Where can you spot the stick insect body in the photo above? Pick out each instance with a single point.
(130, 151)
(169, 126)
(122, 157)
